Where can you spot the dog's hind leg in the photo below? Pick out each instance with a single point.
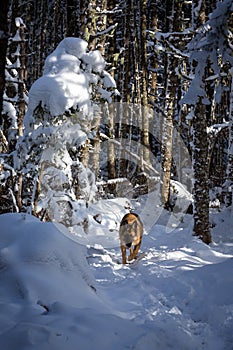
(123, 252)
(133, 254)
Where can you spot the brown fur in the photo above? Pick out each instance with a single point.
(130, 233)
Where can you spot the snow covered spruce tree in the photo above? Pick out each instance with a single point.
(209, 52)
(58, 124)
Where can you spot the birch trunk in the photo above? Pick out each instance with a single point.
(167, 140)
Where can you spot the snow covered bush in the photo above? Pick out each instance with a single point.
(63, 106)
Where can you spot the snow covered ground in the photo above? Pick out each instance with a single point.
(56, 293)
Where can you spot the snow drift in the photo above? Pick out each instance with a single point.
(56, 293)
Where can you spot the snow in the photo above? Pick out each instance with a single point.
(94, 60)
(59, 93)
(19, 22)
(58, 291)
(68, 74)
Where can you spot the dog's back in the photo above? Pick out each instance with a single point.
(130, 233)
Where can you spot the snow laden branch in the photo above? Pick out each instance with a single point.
(133, 156)
(108, 30)
(167, 38)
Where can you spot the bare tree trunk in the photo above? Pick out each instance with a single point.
(126, 93)
(22, 74)
(201, 175)
(18, 190)
(110, 53)
(72, 19)
(111, 148)
(87, 22)
(167, 139)
(97, 42)
(229, 176)
(101, 25)
(144, 84)
(172, 82)
(95, 152)
(152, 60)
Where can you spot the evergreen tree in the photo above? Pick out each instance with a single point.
(59, 121)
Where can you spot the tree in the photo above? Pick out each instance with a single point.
(201, 178)
(14, 106)
(228, 185)
(209, 44)
(174, 24)
(3, 48)
(58, 123)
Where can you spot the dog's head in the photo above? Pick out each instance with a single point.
(130, 230)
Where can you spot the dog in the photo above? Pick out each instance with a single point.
(130, 234)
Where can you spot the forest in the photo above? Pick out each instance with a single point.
(112, 109)
(151, 105)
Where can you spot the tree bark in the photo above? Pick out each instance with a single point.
(71, 15)
(153, 61)
(22, 76)
(229, 173)
(172, 81)
(144, 84)
(201, 175)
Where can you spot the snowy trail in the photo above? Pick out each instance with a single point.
(168, 290)
(57, 294)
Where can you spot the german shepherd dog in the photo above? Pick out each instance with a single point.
(130, 233)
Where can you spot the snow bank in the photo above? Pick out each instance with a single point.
(47, 292)
(57, 294)
(37, 259)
